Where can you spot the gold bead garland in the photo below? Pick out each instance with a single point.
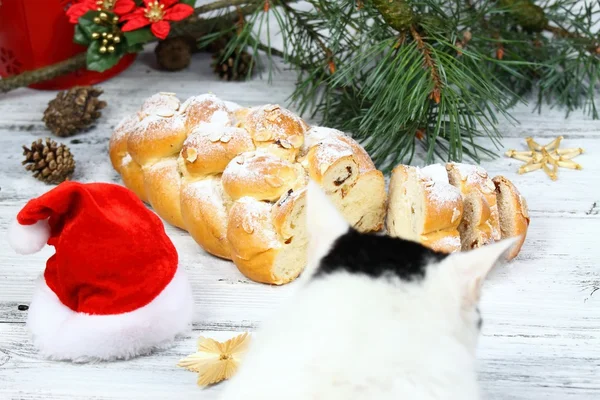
(109, 39)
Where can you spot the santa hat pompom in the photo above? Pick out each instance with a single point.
(28, 239)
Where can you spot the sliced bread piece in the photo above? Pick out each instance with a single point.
(480, 223)
(513, 211)
(424, 207)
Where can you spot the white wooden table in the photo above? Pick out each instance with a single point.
(541, 334)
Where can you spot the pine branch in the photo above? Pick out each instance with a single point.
(429, 63)
(220, 4)
(311, 32)
(43, 74)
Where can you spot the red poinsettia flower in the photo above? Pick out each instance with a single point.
(157, 13)
(119, 7)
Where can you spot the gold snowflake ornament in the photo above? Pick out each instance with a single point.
(215, 361)
(548, 157)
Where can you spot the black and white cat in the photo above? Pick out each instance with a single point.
(375, 318)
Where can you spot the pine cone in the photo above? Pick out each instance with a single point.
(49, 161)
(228, 70)
(174, 54)
(219, 43)
(73, 110)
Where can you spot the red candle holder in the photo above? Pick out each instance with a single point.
(37, 33)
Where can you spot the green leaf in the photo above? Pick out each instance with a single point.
(139, 36)
(189, 2)
(136, 48)
(101, 62)
(80, 37)
(87, 25)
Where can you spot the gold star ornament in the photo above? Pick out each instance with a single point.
(215, 361)
(549, 157)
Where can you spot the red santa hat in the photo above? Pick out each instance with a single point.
(113, 289)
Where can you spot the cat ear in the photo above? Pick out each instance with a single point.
(475, 265)
(324, 223)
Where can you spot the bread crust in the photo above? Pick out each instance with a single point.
(289, 212)
(254, 240)
(478, 192)
(514, 213)
(130, 171)
(272, 124)
(204, 212)
(156, 137)
(133, 178)
(182, 159)
(207, 108)
(262, 176)
(162, 183)
(209, 148)
(432, 209)
(445, 241)
(332, 165)
(443, 206)
(163, 104)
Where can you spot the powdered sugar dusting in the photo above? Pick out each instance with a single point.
(154, 127)
(437, 185)
(231, 106)
(239, 168)
(330, 151)
(449, 241)
(473, 175)
(443, 194)
(256, 220)
(279, 122)
(436, 172)
(164, 104)
(125, 126)
(205, 191)
(220, 117)
(206, 108)
(126, 160)
(213, 141)
(318, 134)
(199, 99)
(467, 169)
(455, 215)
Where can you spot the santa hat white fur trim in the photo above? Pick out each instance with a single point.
(28, 239)
(62, 334)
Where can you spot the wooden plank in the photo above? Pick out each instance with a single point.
(559, 364)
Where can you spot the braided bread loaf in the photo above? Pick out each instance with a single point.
(235, 177)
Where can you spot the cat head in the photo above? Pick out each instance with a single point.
(444, 288)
